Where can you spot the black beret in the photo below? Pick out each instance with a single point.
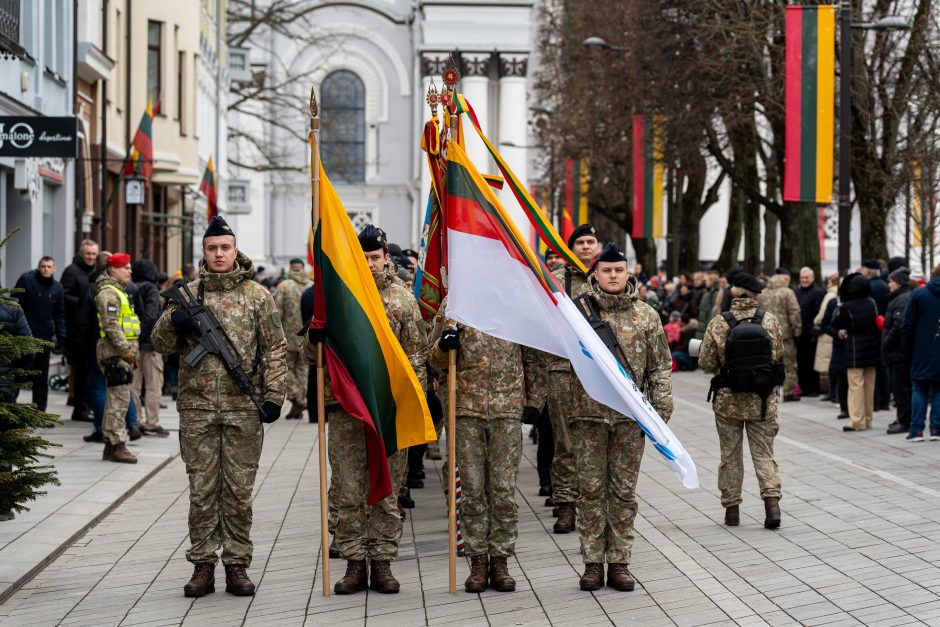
(372, 238)
(871, 264)
(296, 260)
(748, 282)
(610, 253)
(782, 270)
(581, 231)
(218, 226)
(410, 253)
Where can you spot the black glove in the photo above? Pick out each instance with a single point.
(183, 322)
(272, 411)
(450, 340)
(530, 415)
(316, 336)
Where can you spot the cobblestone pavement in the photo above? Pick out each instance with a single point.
(858, 545)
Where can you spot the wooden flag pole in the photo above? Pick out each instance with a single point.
(313, 138)
(451, 471)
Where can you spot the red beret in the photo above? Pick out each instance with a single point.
(119, 260)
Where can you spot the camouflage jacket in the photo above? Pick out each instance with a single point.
(641, 336)
(493, 376)
(404, 318)
(108, 305)
(247, 313)
(738, 405)
(287, 299)
(780, 300)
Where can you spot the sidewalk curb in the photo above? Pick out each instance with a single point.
(35, 570)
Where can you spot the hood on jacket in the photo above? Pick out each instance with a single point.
(854, 286)
(934, 286)
(144, 270)
(609, 302)
(221, 282)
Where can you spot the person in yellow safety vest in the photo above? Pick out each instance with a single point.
(117, 354)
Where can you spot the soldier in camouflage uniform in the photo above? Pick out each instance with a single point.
(737, 412)
(220, 429)
(491, 394)
(780, 300)
(608, 446)
(362, 532)
(287, 299)
(117, 353)
(562, 389)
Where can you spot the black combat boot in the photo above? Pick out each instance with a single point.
(355, 579)
(237, 581)
(732, 516)
(566, 517)
(500, 580)
(108, 448)
(772, 510)
(593, 577)
(202, 581)
(476, 582)
(619, 578)
(381, 578)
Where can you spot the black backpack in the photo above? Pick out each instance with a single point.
(749, 365)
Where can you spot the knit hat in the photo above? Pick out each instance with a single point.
(901, 276)
(119, 260)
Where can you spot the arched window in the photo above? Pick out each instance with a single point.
(343, 136)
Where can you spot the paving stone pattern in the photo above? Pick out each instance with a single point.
(858, 545)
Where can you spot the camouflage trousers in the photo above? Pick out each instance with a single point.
(760, 439)
(564, 477)
(116, 401)
(221, 452)
(789, 360)
(608, 462)
(297, 367)
(361, 531)
(488, 454)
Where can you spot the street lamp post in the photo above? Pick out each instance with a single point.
(890, 23)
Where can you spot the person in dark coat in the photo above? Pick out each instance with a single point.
(80, 338)
(44, 305)
(12, 321)
(897, 361)
(837, 371)
(809, 296)
(873, 269)
(856, 323)
(148, 378)
(921, 340)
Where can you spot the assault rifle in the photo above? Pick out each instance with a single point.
(592, 313)
(211, 338)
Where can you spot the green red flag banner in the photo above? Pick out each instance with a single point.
(208, 188)
(648, 173)
(810, 97)
(139, 161)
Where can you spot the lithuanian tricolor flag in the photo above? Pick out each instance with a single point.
(647, 177)
(810, 78)
(207, 187)
(369, 372)
(140, 158)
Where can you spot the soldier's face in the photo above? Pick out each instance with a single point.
(585, 248)
(219, 252)
(553, 262)
(121, 275)
(611, 276)
(377, 260)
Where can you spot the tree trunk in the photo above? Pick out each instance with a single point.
(752, 248)
(645, 248)
(728, 258)
(874, 213)
(799, 237)
(770, 242)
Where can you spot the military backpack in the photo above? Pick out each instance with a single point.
(748, 364)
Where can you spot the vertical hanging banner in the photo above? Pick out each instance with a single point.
(810, 98)
(648, 172)
(581, 209)
(567, 211)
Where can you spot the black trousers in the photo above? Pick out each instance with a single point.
(841, 382)
(900, 375)
(81, 361)
(41, 379)
(545, 452)
(807, 377)
(882, 387)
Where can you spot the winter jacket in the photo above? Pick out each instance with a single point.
(44, 305)
(12, 321)
(780, 300)
(809, 299)
(78, 288)
(879, 293)
(146, 296)
(836, 362)
(894, 320)
(856, 315)
(921, 332)
(823, 339)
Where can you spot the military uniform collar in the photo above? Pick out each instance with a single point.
(610, 302)
(225, 281)
(743, 304)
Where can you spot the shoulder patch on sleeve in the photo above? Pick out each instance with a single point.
(112, 309)
(276, 319)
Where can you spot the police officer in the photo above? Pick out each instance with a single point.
(287, 298)
(737, 411)
(562, 388)
(608, 446)
(220, 429)
(117, 353)
(363, 532)
(491, 394)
